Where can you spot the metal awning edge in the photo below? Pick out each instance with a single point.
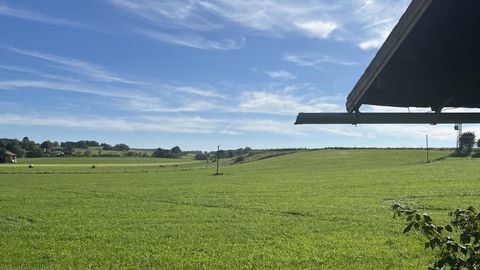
(387, 118)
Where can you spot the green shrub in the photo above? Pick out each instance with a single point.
(457, 242)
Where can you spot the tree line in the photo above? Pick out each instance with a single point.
(221, 154)
(31, 149)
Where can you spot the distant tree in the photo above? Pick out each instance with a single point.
(81, 144)
(15, 147)
(27, 145)
(221, 154)
(467, 141)
(121, 147)
(176, 152)
(48, 145)
(239, 152)
(37, 152)
(25, 140)
(161, 153)
(2, 155)
(92, 143)
(87, 153)
(201, 156)
(131, 154)
(106, 146)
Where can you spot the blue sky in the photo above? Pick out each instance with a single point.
(193, 73)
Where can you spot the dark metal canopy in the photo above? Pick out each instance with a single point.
(431, 59)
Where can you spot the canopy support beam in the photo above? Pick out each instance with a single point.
(387, 118)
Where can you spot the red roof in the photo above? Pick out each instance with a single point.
(8, 153)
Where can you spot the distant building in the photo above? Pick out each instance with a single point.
(56, 154)
(10, 157)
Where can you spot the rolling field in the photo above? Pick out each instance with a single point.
(325, 209)
(83, 165)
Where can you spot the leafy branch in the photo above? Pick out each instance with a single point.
(460, 253)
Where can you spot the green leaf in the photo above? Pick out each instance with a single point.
(449, 228)
(408, 227)
(427, 218)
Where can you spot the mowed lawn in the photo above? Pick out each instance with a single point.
(327, 209)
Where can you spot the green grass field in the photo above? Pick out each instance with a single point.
(325, 209)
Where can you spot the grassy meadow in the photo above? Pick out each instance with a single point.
(325, 209)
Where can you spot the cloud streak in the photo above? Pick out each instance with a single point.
(73, 65)
(376, 20)
(37, 17)
(190, 23)
(196, 125)
(317, 61)
(280, 74)
(194, 40)
(281, 104)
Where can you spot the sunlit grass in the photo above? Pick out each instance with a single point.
(310, 210)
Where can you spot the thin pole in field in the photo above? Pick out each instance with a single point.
(218, 150)
(426, 139)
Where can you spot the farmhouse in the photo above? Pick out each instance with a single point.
(430, 60)
(10, 157)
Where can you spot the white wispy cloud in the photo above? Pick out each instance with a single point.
(268, 126)
(280, 74)
(72, 87)
(160, 124)
(376, 19)
(364, 22)
(174, 124)
(6, 10)
(196, 18)
(80, 67)
(312, 60)
(316, 28)
(171, 14)
(161, 98)
(274, 17)
(198, 91)
(37, 73)
(193, 40)
(204, 125)
(281, 104)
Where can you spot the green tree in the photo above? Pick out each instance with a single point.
(121, 147)
(467, 141)
(106, 146)
(2, 155)
(176, 152)
(201, 156)
(27, 145)
(87, 153)
(48, 145)
(15, 147)
(81, 144)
